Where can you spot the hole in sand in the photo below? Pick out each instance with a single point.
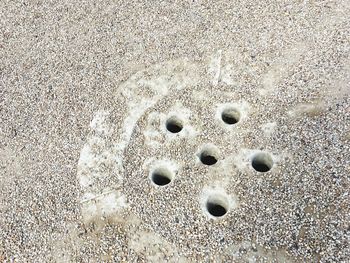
(230, 116)
(217, 205)
(209, 156)
(162, 176)
(262, 162)
(174, 125)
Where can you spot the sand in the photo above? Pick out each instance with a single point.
(110, 110)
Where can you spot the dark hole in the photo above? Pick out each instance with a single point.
(215, 209)
(160, 179)
(260, 166)
(208, 159)
(230, 116)
(173, 126)
(229, 119)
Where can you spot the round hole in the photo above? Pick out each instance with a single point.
(208, 157)
(174, 125)
(262, 162)
(230, 116)
(217, 206)
(161, 176)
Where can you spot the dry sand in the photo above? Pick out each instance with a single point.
(87, 91)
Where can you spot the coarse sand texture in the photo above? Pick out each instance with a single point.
(175, 131)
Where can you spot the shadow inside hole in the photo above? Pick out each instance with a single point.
(208, 159)
(216, 209)
(262, 163)
(230, 116)
(174, 125)
(160, 179)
